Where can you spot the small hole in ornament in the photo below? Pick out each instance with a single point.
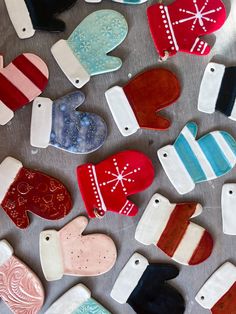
(230, 192)
(202, 297)
(156, 201)
(126, 128)
(77, 81)
(47, 238)
(165, 155)
(212, 70)
(137, 262)
(24, 29)
(39, 105)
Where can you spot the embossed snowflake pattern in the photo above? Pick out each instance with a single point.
(200, 15)
(120, 177)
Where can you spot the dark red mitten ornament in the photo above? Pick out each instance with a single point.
(179, 26)
(138, 103)
(23, 190)
(107, 185)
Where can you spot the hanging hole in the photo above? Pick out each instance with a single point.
(47, 238)
(212, 70)
(156, 201)
(77, 81)
(137, 262)
(126, 128)
(24, 29)
(202, 297)
(39, 105)
(230, 192)
(165, 155)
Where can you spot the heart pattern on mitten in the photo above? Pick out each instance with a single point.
(69, 252)
(168, 226)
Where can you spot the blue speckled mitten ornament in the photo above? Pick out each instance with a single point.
(59, 124)
(84, 54)
(77, 301)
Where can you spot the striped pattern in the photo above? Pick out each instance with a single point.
(22, 81)
(208, 158)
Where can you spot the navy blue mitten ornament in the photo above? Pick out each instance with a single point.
(30, 15)
(143, 286)
(58, 123)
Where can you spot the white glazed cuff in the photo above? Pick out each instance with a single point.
(9, 169)
(121, 111)
(51, 255)
(70, 301)
(217, 286)
(70, 64)
(210, 87)
(6, 251)
(41, 122)
(6, 114)
(175, 170)
(20, 18)
(129, 278)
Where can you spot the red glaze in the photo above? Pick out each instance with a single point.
(227, 304)
(107, 185)
(175, 27)
(38, 193)
(150, 92)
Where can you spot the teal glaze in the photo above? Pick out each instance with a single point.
(91, 307)
(98, 34)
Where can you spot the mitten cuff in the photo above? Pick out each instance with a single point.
(6, 252)
(70, 64)
(20, 18)
(122, 111)
(41, 122)
(129, 277)
(180, 178)
(217, 286)
(6, 114)
(210, 87)
(9, 169)
(51, 255)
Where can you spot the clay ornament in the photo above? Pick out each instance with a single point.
(228, 200)
(120, 1)
(24, 190)
(106, 186)
(219, 292)
(180, 25)
(58, 123)
(168, 227)
(21, 81)
(143, 286)
(27, 16)
(69, 252)
(138, 103)
(20, 288)
(218, 90)
(77, 300)
(84, 54)
(190, 161)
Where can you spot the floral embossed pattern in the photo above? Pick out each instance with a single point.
(38, 193)
(97, 35)
(91, 307)
(20, 289)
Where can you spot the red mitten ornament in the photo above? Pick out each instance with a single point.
(138, 103)
(107, 185)
(21, 81)
(20, 288)
(179, 26)
(23, 190)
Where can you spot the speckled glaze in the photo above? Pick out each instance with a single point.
(91, 306)
(75, 131)
(98, 34)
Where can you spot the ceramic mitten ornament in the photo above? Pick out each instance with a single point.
(24, 190)
(84, 54)
(120, 1)
(138, 103)
(30, 15)
(69, 252)
(180, 25)
(21, 81)
(20, 288)
(107, 185)
(143, 286)
(218, 90)
(168, 226)
(77, 300)
(228, 200)
(190, 161)
(219, 292)
(59, 124)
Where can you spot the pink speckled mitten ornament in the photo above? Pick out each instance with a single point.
(69, 252)
(20, 288)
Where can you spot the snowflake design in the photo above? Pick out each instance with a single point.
(200, 15)
(120, 177)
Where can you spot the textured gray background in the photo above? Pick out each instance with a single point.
(137, 53)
